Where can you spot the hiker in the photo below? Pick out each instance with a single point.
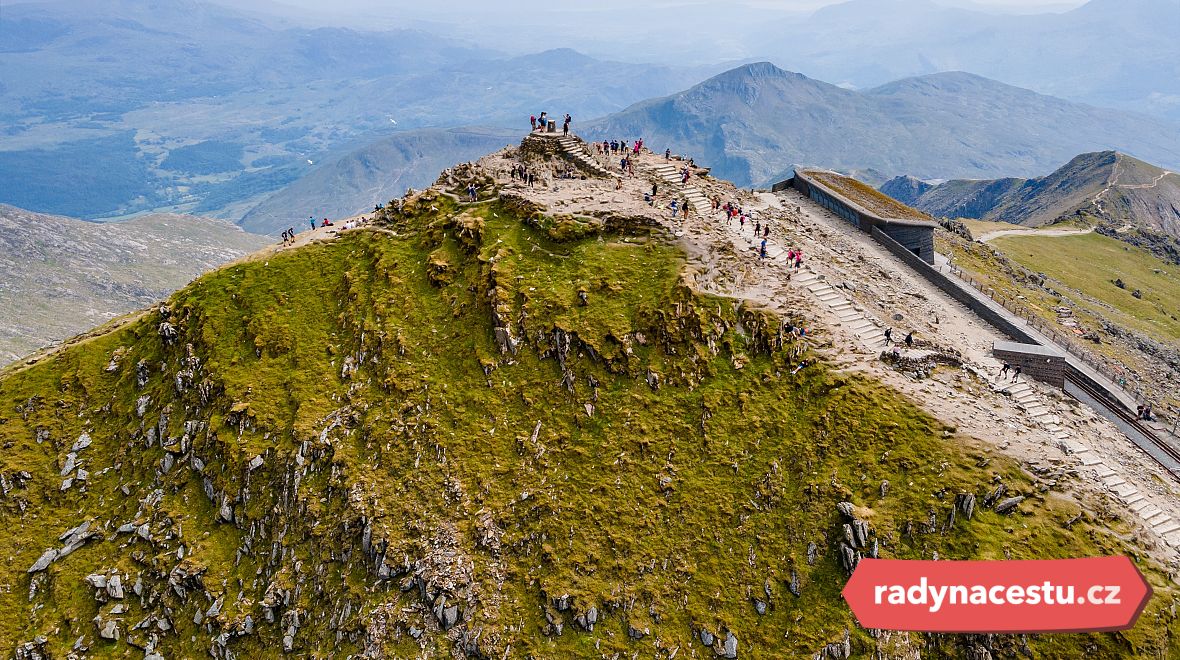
(766, 231)
(1139, 411)
(1147, 412)
(285, 242)
(1003, 371)
(648, 199)
(762, 250)
(312, 221)
(531, 178)
(757, 228)
(790, 256)
(684, 208)
(742, 222)
(1016, 374)
(654, 188)
(667, 154)
(542, 120)
(565, 125)
(533, 122)
(637, 145)
(618, 184)
(472, 192)
(673, 206)
(909, 339)
(888, 336)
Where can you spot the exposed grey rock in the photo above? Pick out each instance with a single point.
(729, 650)
(97, 581)
(707, 637)
(860, 533)
(141, 405)
(562, 602)
(450, 617)
(845, 509)
(81, 443)
(168, 332)
(255, 463)
(415, 632)
(965, 503)
(142, 373)
(884, 488)
(793, 585)
(812, 554)
(68, 466)
(994, 496)
(107, 629)
(1009, 504)
(760, 606)
(44, 561)
(635, 633)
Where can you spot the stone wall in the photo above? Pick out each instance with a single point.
(1035, 361)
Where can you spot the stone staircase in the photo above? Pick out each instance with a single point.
(576, 150)
(872, 337)
(670, 174)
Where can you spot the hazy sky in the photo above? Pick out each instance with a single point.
(459, 6)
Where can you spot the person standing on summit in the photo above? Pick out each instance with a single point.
(565, 125)
(533, 122)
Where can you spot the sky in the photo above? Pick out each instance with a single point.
(460, 6)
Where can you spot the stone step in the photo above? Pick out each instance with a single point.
(1137, 502)
(1158, 519)
(1114, 480)
(1124, 490)
(1105, 471)
(1168, 527)
(1089, 458)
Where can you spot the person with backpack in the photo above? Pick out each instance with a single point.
(533, 122)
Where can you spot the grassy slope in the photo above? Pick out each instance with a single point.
(1090, 263)
(436, 449)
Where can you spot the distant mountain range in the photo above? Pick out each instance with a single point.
(753, 124)
(110, 108)
(1113, 53)
(60, 276)
(373, 175)
(1121, 195)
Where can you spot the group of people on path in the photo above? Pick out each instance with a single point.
(908, 341)
(618, 146)
(1008, 368)
(542, 123)
(521, 173)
